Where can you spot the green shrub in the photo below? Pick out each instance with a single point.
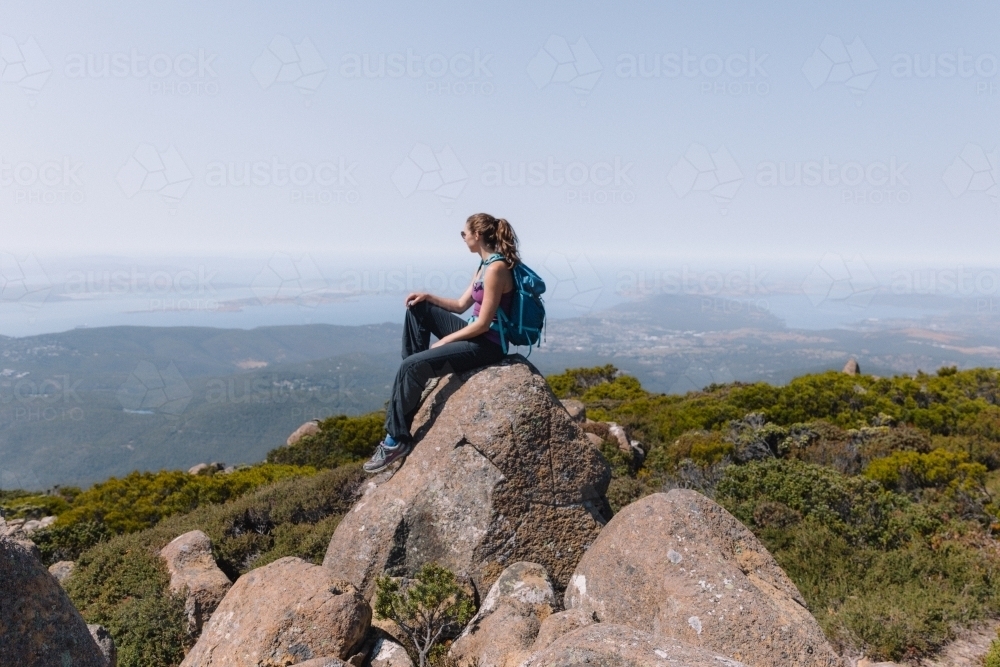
(24, 505)
(122, 585)
(121, 582)
(58, 543)
(575, 381)
(142, 499)
(853, 508)
(897, 604)
(701, 447)
(909, 470)
(341, 440)
(428, 609)
(992, 657)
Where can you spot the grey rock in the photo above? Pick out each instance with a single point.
(106, 643)
(62, 570)
(40, 627)
(504, 630)
(680, 567)
(608, 645)
(499, 474)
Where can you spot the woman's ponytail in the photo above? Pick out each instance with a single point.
(498, 234)
(507, 242)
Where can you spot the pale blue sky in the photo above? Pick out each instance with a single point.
(358, 131)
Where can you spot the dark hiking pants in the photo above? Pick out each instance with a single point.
(421, 364)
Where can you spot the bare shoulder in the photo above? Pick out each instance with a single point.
(499, 271)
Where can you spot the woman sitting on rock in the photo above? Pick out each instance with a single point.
(462, 345)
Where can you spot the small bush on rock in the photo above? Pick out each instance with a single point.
(428, 609)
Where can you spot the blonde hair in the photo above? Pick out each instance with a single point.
(496, 233)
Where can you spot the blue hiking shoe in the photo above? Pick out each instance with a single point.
(385, 456)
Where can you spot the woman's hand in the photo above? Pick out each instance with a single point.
(414, 298)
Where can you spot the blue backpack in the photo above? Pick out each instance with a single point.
(527, 312)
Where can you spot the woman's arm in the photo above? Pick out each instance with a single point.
(459, 305)
(493, 284)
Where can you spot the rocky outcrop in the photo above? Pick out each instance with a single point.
(680, 567)
(557, 625)
(504, 630)
(39, 627)
(285, 613)
(309, 428)
(207, 468)
(852, 367)
(106, 643)
(21, 529)
(62, 570)
(610, 645)
(499, 474)
(194, 574)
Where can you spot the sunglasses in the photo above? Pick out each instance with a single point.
(463, 233)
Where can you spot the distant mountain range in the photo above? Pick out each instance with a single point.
(82, 405)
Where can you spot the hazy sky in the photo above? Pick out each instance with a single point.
(724, 132)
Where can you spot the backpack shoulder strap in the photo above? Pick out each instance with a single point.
(489, 260)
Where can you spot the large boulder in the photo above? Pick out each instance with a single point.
(500, 473)
(284, 613)
(611, 645)
(679, 566)
(194, 574)
(507, 624)
(39, 627)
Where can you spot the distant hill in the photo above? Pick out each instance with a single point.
(79, 406)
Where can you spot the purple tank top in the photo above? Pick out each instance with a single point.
(477, 296)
